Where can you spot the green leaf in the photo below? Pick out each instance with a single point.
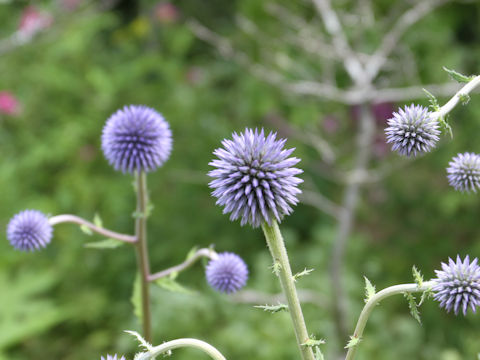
(143, 343)
(305, 272)
(457, 76)
(412, 304)
(464, 98)
(191, 253)
(136, 299)
(313, 342)
(104, 244)
(354, 341)
(276, 267)
(273, 308)
(318, 354)
(434, 105)
(86, 230)
(369, 289)
(417, 276)
(97, 220)
(170, 284)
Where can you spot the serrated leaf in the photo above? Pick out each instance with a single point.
(313, 342)
(412, 304)
(445, 126)
(104, 244)
(276, 267)
(86, 230)
(97, 220)
(354, 341)
(305, 272)
(369, 289)
(273, 308)
(434, 105)
(144, 343)
(455, 75)
(136, 298)
(170, 284)
(464, 98)
(417, 276)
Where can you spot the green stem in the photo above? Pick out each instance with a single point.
(279, 254)
(374, 301)
(179, 343)
(142, 252)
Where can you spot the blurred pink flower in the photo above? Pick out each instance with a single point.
(33, 21)
(9, 104)
(382, 112)
(166, 13)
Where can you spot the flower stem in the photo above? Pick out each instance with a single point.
(179, 343)
(67, 218)
(282, 267)
(374, 301)
(142, 251)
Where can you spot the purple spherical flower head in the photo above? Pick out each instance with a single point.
(113, 357)
(464, 172)
(412, 131)
(457, 285)
(136, 138)
(255, 178)
(227, 273)
(29, 230)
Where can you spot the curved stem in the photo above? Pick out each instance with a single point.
(179, 343)
(205, 252)
(374, 301)
(282, 267)
(142, 252)
(467, 89)
(67, 218)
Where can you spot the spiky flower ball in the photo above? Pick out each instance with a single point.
(114, 357)
(29, 230)
(412, 131)
(227, 273)
(464, 172)
(136, 138)
(457, 286)
(254, 177)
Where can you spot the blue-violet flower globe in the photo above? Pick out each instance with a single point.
(457, 286)
(29, 230)
(254, 178)
(136, 138)
(412, 131)
(227, 273)
(464, 172)
(114, 357)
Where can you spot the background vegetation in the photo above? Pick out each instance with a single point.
(69, 302)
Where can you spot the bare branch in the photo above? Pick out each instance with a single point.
(413, 92)
(317, 200)
(257, 297)
(390, 40)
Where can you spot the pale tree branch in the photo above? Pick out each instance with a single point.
(322, 203)
(257, 297)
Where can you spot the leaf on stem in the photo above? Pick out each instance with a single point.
(86, 230)
(369, 289)
(455, 75)
(97, 220)
(305, 272)
(144, 343)
(413, 306)
(276, 267)
(318, 354)
(313, 342)
(354, 341)
(169, 284)
(417, 276)
(104, 244)
(273, 308)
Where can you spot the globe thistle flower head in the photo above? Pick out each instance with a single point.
(227, 273)
(136, 138)
(114, 357)
(254, 177)
(457, 286)
(464, 172)
(412, 131)
(29, 230)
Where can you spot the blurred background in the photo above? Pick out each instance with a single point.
(214, 67)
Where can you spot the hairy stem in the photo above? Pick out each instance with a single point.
(282, 267)
(142, 251)
(67, 218)
(165, 348)
(206, 252)
(346, 220)
(374, 301)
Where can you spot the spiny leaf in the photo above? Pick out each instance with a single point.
(354, 341)
(305, 272)
(464, 98)
(97, 220)
(104, 244)
(170, 284)
(369, 289)
(144, 343)
(276, 267)
(434, 105)
(445, 126)
(412, 304)
(273, 308)
(417, 276)
(427, 294)
(313, 342)
(136, 298)
(455, 75)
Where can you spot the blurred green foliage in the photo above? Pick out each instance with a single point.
(70, 302)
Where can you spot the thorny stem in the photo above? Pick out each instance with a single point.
(142, 251)
(282, 266)
(165, 348)
(206, 252)
(467, 89)
(374, 301)
(67, 218)
(346, 220)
